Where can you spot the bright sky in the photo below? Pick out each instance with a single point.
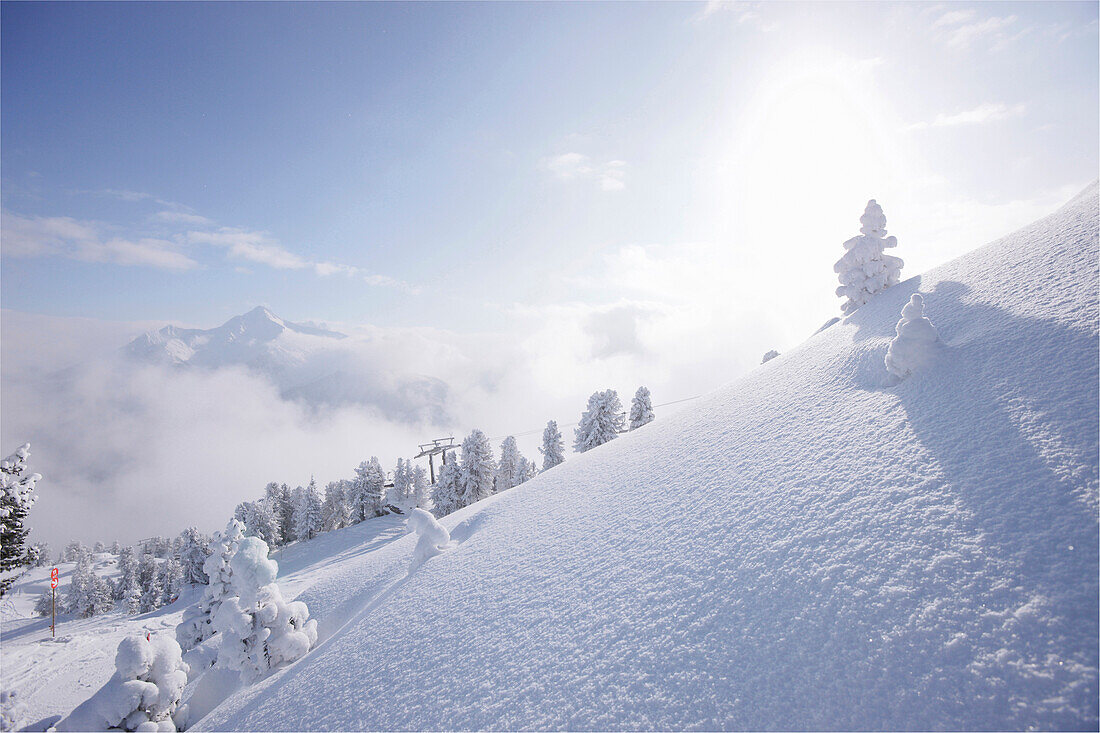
(625, 193)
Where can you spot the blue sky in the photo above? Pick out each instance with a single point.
(465, 158)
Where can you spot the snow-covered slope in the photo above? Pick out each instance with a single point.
(814, 546)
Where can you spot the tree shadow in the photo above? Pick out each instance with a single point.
(1007, 400)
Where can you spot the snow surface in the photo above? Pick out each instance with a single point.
(815, 546)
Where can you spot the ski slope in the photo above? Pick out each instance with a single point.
(815, 546)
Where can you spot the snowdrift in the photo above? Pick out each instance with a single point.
(816, 546)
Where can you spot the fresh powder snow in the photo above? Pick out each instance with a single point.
(815, 546)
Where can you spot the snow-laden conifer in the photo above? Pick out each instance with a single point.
(171, 580)
(419, 486)
(196, 626)
(641, 408)
(769, 356)
(601, 422)
(914, 345)
(143, 694)
(307, 513)
(193, 553)
(279, 500)
(508, 465)
(260, 521)
(335, 511)
(865, 269)
(448, 488)
(478, 467)
(150, 579)
(370, 488)
(16, 499)
(402, 482)
(553, 446)
(261, 631)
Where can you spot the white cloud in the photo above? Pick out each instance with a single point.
(252, 246)
(954, 17)
(181, 217)
(980, 115)
(993, 30)
(611, 176)
(33, 236)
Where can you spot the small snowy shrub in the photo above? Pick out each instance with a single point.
(864, 269)
(433, 537)
(261, 631)
(915, 342)
(769, 356)
(143, 694)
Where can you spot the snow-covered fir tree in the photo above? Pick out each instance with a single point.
(509, 463)
(769, 356)
(600, 423)
(553, 446)
(402, 482)
(448, 487)
(143, 694)
(171, 580)
(149, 578)
(40, 553)
(128, 568)
(280, 501)
(914, 345)
(131, 595)
(16, 499)
(370, 488)
(99, 547)
(419, 488)
(525, 469)
(43, 605)
(197, 625)
(88, 594)
(261, 631)
(865, 269)
(116, 547)
(193, 553)
(259, 521)
(335, 512)
(478, 468)
(72, 551)
(307, 513)
(641, 408)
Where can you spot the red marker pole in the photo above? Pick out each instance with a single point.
(53, 603)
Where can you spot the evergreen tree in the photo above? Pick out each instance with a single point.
(865, 270)
(509, 462)
(601, 422)
(260, 522)
(171, 580)
(307, 516)
(193, 553)
(116, 547)
(281, 503)
(41, 554)
(448, 488)
(478, 467)
(197, 625)
(73, 551)
(420, 486)
(641, 409)
(149, 578)
(402, 481)
(769, 356)
(128, 567)
(335, 513)
(553, 447)
(370, 487)
(88, 594)
(131, 596)
(16, 499)
(43, 605)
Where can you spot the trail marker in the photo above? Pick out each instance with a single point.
(53, 603)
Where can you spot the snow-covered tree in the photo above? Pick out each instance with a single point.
(370, 488)
(196, 625)
(335, 511)
(769, 356)
(128, 567)
(600, 423)
(307, 513)
(261, 631)
(143, 694)
(150, 580)
(914, 345)
(280, 502)
(171, 580)
(448, 488)
(525, 470)
(131, 595)
(40, 555)
(506, 468)
(259, 521)
(16, 499)
(116, 547)
(641, 409)
(72, 552)
(553, 447)
(43, 605)
(402, 482)
(88, 594)
(478, 467)
(419, 486)
(99, 547)
(865, 269)
(193, 553)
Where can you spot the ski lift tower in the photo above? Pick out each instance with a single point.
(435, 448)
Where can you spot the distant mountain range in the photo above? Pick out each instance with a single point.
(320, 367)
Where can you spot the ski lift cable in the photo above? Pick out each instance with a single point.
(571, 424)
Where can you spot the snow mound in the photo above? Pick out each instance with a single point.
(433, 537)
(815, 546)
(915, 343)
